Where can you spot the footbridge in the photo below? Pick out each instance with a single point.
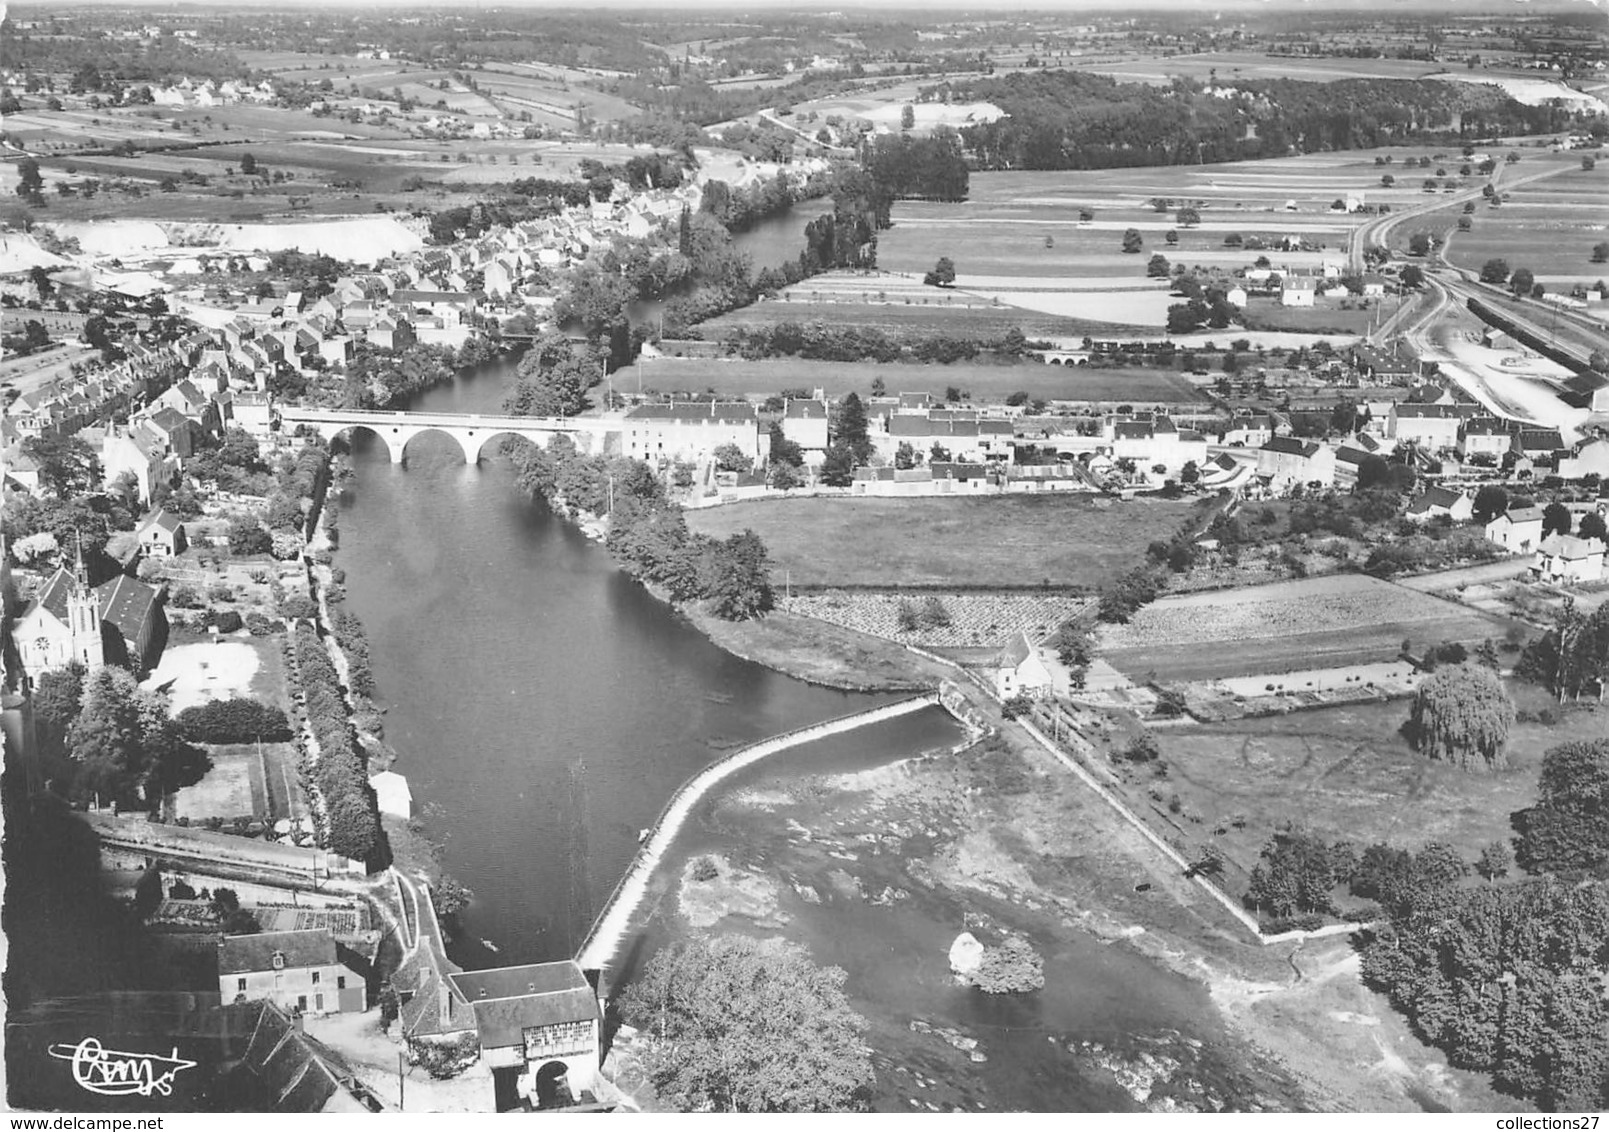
(472, 431)
(613, 924)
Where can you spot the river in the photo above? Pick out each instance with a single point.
(780, 238)
(544, 705)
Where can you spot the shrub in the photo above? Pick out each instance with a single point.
(1012, 968)
(705, 870)
(224, 620)
(233, 721)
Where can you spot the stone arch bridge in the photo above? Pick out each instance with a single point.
(472, 431)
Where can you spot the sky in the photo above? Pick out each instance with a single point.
(979, 7)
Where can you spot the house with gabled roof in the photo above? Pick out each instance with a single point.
(1434, 502)
(1568, 558)
(162, 535)
(1288, 460)
(1518, 530)
(1484, 436)
(1019, 670)
(539, 1024)
(300, 971)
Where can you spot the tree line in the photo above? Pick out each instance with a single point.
(352, 823)
(1072, 120)
(837, 342)
(648, 534)
(1506, 977)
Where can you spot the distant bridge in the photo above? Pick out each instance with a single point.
(472, 431)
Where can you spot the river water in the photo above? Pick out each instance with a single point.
(544, 706)
(780, 238)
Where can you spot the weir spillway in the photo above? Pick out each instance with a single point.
(612, 926)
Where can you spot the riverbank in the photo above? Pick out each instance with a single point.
(876, 871)
(819, 653)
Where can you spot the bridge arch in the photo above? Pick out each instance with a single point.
(350, 431)
(478, 443)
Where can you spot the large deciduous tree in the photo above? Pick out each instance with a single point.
(1568, 828)
(68, 466)
(1462, 715)
(742, 1025)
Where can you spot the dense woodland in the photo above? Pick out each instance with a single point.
(1072, 120)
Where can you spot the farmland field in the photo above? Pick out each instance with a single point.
(1345, 772)
(1549, 226)
(983, 382)
(1313, 623)
(1004, 542)
(977, 320)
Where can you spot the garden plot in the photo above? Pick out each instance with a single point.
(1328, 622)
(973, 620)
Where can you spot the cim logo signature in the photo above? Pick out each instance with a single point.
(115, 1073)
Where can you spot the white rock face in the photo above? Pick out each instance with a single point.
(966, 954)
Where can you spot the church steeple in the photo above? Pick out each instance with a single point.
(84, 616)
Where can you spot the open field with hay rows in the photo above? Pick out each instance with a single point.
(1312, 623)
(980, 381)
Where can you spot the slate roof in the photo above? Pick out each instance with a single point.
(300, 1073)
(508, 1000)
(694, 411)
(1570, 547)
(1016, 650)
(1485, 426)
(805, 409)
(240, 954)
(1292, 446)
(163, 518)
(1539, 440)
(1522, 515)
(127, 604)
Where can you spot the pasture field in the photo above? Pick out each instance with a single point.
(983, 382)
(1347, 773)
(1323, 622)
(1012, 541)
(1228, 66)
(974, 319)
(1325, 316)
(976, 620)
(1549, 226)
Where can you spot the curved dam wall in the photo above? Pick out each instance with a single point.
(613, 924)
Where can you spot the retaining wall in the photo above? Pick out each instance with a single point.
(613, 924)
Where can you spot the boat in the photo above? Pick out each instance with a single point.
(642, 835)
(489, 945)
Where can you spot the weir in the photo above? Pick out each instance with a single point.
(613, 923)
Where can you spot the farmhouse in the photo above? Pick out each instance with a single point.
(691, 431)
(1517, 531)
(1438, 501)
(162, 535)
(1566, 558)
(299, 970)
(1296, 293)
(1538, 445)
(1018, 670)
(538, 1027)
(804, 421)
(1484, 436)
(1153, 439)
(1287, 460)
(1430, 426)
(1248, 430)
(964, 433)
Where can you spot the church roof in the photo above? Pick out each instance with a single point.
(126, 604)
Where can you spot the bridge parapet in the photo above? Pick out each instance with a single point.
(472, 431)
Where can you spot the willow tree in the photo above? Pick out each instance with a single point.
(1462, 715)
(735, 1024)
